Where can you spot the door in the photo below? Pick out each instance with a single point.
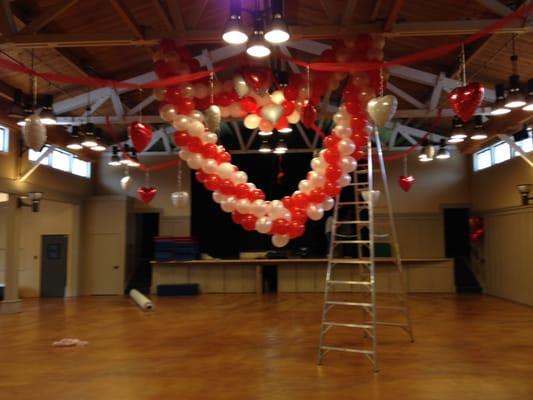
(106, 264)
(53, 265)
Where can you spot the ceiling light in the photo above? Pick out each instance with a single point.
(499, 107)
(264, 133)
(515, 98)
(458, 132)
(281, 147)
(99, 143)
(265, 147)
(257, 46)
(115, 158)
(443, 153)
(233, 31)
(277, 31)
(89, 139)
(47, 113)
(133, 160)
(288, 129)
(427, 152)
(479, 132)
(529, 100)
(74, 139)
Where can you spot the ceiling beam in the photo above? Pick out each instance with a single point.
(404, 95)
(47, 16)
(7, 22)
(163, 15)
(322, 32)
(175, 14)
(393, 15)
(347, 16)
(128, 18)
(496, 7)
(198, 7)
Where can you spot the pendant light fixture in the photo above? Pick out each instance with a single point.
(115, 158)
(529, 100)
(499, 106)
(47, 113)
(256, 46)
(98, 137)
(233, 31)
(515, 97)
(89, 138)
(277, 31)
(458, 133)
(265, 133)
(427, 151)
(443, 153)
(133, 160)
(479, 132)
(281, 147)
(74, 139)
(265, 147)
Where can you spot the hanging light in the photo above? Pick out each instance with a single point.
(443, 153)
(133, 160)
(515, 97)
(47, 113)
(277, 31)
(265, 147)
(264, 133)
(74, 139)
(478, 133)
(233, 31)
(427, 152)
(125, 161)
(115, 158)
(257, 47)
(288, 129)
(458, 133)
(281, 147)
(99, 144)
(89, 138)
(499, 106)
(529, 100)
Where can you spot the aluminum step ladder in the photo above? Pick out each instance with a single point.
(359, 271)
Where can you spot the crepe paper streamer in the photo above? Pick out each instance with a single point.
(141, 300)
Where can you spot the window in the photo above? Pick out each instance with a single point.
(502, 152)
(526, 145)
(482, 159)
(4, 139)
(62, 160)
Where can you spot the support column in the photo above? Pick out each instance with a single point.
(11, 303)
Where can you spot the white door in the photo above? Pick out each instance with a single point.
(106, 264)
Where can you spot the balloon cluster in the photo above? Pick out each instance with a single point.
(476, 228)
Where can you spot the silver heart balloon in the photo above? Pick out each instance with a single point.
(179, 199)
(212, 118)
(382, 109)
(34, 132)
(125, 183)
(240, 86)
(272, 112)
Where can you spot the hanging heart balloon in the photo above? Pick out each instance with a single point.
(464, 100)
(406, 182)
(382, 109)
(272, 113)
(240, 86)
(147, 194)
(140, 135)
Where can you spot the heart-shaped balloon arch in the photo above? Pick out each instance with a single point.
(246, 96)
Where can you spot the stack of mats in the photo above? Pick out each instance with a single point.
(180, 248)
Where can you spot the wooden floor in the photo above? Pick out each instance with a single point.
(251, 347)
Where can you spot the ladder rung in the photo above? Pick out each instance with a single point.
(347, 349)
(365, 171)
(344, 203)
(347, 325)
(351, 241)
(349, 261)
(392, 324)
(363, 283)
(357, 221)
(357, 184)
(348, 303)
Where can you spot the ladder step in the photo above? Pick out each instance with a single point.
(351, 242)
(392, 324)
(365, 171)
(347, 349)
(348, 303)
(349, 261)
(345, 203)
(347, 325)
(362, 283)
(357, 184)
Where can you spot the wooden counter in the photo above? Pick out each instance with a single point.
(431, 275)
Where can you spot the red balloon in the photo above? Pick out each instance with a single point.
(351, 93)
(354, 107)
(358, 124)
(287, 202)
(309, 114)
(210, 150)
(242, 190)
(200, 176)
(331, 141)
(280, 226)
(163, 69)
(146, 193)
(332, 155)
(181, 139)
(249, 105)
(173, 95)
(257, 194)
(194, 64)
(358, 154)
(212, 182)
(296, 229)
(258, 78)
(332, 189)
(185, 106)
(465, 100)
(223, 157)
(203, 103)
(299, 215)
(140, 135)
(282, 122)
(248, 222)
(223, 99)
(300, 200)
(195, 144)
(288, 106)
(227, 187)
(237, 217)
(360, 140)
(333, 172)
(316, 196)
(290, 92)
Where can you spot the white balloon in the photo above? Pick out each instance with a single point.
(263, 225)
(258, 208)
(277, 97)
(225, 170)
(250, 185)
(340, 119)
(196, 161)
(280, 240)
(243, 206)
(316, 179)
(348, 164)
(210, 166)
(342, 131)
(197, 115)
(315, 212)
(218, 197)
(228, 204)
(328, 203)
(210, 137)
(344, 180)
(185, 155)
(196, 128)
(240, 177)
(168, 113)
(346, 147)
(251, 121)
(181, 122)
(294, 118)
(305, 186)
(318, 165)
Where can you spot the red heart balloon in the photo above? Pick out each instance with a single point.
(146, 193)
(258, 78)
(406, 182)
(465, 99)
(140, 135)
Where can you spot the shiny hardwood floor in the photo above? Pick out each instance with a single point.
(261, 347)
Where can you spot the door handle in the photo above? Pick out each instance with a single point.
(115, 267)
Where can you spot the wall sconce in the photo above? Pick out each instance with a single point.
(524, 190)
(34, 201)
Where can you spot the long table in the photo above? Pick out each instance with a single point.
(431, 275)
